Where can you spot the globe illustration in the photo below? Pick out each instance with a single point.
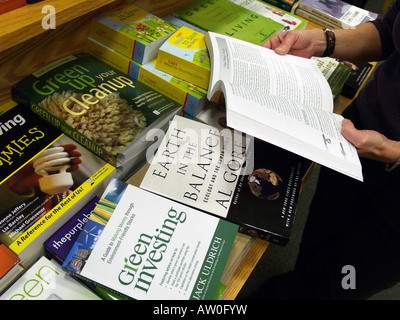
(265, 184)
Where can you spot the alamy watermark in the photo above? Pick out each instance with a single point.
(349, 280)
(49, 20)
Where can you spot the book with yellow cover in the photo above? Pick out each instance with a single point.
(185, 56)
(190, 96)
(45, 178)
(132, 31)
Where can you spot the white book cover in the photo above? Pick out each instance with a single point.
(46, 280)
(153, 248)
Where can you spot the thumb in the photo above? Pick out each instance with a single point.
(351, 133)
(286, 43)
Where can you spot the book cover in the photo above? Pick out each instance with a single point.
(225, 17)
(132, 31)
(288, 5)
(358, 76)
(335, 72)
(45, 177)
(10, 267)
(338, 12)
(240, 179)
(58, 245)
(148, 247)
(191, 97)
(100, 107)
(171, 18)
(46, 280)
(289, 20)
(185, 56)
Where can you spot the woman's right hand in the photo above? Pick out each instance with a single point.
(303, 43)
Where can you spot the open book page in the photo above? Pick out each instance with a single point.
(284, 100)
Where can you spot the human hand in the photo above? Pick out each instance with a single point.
(371, 144)
(302, 43)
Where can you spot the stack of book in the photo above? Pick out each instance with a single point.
(334, 14)
(131, 44)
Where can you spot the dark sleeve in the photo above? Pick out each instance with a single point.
(385, 28)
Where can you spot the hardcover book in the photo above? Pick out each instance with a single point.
(132, 31)
(283, 100)
(225, 17)
(185, 56)
(98, 106)
(288, 5)
(148, 247)
(240, 179)
(190, 96)
(338, 12)
(45, 178)
(289, 20)
(45, 280)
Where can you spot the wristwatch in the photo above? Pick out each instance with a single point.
(330, 42)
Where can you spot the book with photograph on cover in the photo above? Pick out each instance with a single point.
(45, 178)
(144, 246)
(98, 106)
(243, 180)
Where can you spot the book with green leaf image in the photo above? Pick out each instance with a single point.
(132, 31)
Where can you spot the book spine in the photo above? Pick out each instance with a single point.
(307, 15)
(263, 235)
(324, 16)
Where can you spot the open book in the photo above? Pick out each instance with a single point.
(284, 100)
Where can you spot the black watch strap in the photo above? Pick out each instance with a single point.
(330, 42)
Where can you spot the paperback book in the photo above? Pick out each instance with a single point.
(235, 177)
(100, 107)
(45, 280)
(45, 178)
(289, 20)
(340, 13)
(132, 31)
(225, 17)
(58, 245)
(191, 97)
(149, 247)
(185, 56)
(336, 72)
(283, 100)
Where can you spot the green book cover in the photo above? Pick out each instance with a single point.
(336, 72)
(225, 17)
(145, 246)
(289, 20)
(98, 106)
